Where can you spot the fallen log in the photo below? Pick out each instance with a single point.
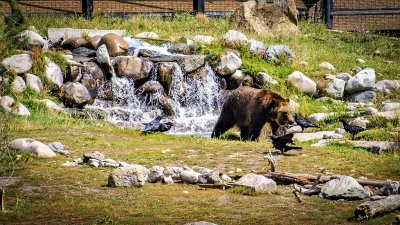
(303, 179)
(370, 209)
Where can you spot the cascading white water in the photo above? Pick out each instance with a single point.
(196, 102)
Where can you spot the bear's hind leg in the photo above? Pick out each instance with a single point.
(244, 133)
(254, 132)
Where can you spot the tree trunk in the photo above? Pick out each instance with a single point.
(370, 209)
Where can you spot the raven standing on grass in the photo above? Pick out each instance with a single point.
(156, 125)
(303, 123)
(280, 142)
(352, 129)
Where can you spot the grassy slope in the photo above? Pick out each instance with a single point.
(48, 193)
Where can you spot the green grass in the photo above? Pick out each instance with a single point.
(47, 193)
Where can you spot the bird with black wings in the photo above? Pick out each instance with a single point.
(303, 123)
(352, 129)
(281, 142)
(157, 125)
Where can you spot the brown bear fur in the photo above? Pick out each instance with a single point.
(249, 109)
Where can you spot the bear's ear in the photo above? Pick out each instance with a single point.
(287, 100)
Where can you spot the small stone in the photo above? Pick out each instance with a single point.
(166, 150)
(304, 63)
(69, 164)
(360, 60)
(156, 174)
(32, 146)
(203, 39)
(340, 131)
(18, 85)
(188, 176)
(58, 147)
(93, 155)
(20, 64)
(234, 38)
(370, 110)
(327, 65)
(303, 83)
(226, 178)
(147, 35)
(167, 180)
(332, 136)
(257, 182)
(94, 162)
(185, 192)
(130, 176)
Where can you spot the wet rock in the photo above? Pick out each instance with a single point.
(50, 104)
(203, 39)
(303, 83)
(327, 65)
(74, 94)
(256, 47)
(275, 53)
(191, 63)
(93, 155)
(335, 88)
(234, 38)
(257, 182)
(116, 45)
(130, 176)
(156, 174)
(133, 67)
(93, 42)
(58, 148)
(151, 87)
(20, 63)
(227, 63)
(32, 37)
(165, 72)
(343, 187)
(362, 81)
(83, 52)
(32, 146)
(73, 43)
(181, 48)
(268, 19)
(18, 85)
(387, 86)
(365, 97)
(34, 82)
(189, 176)
(90, 84)
(313, 136)
(146, 53)
(54, 74)
(95, 71)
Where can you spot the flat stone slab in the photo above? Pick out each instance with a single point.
(55, 34)
(312, 136)
(377, 147)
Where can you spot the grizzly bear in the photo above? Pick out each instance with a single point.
(249, 109)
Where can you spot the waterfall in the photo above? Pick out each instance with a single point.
(196, 101)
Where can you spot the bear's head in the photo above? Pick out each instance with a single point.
(282, 111)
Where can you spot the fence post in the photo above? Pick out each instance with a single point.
(87, 8)
(329, 8)
(198, 6)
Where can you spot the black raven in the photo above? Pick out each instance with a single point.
(352, 129)
(303, 123)
(280, 142)
(156, 125)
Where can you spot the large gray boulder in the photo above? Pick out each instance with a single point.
(34, 82)
(18, 85)
(365, 97)
(74, 94)
(343, 187)
(257, 182)
(362, 81)
(263, 78)
(133, 67)
(189, 176)
(387, 86)
(32, 146)
(53, 73)
(20, 63)
(279, 18)
(227, 64)
(129, 176)
(303, 83)
(156, 174)
(165, 72)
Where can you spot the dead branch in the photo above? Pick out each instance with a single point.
(271, 160)
(318, 178)
(3, 199)
(296, 194)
